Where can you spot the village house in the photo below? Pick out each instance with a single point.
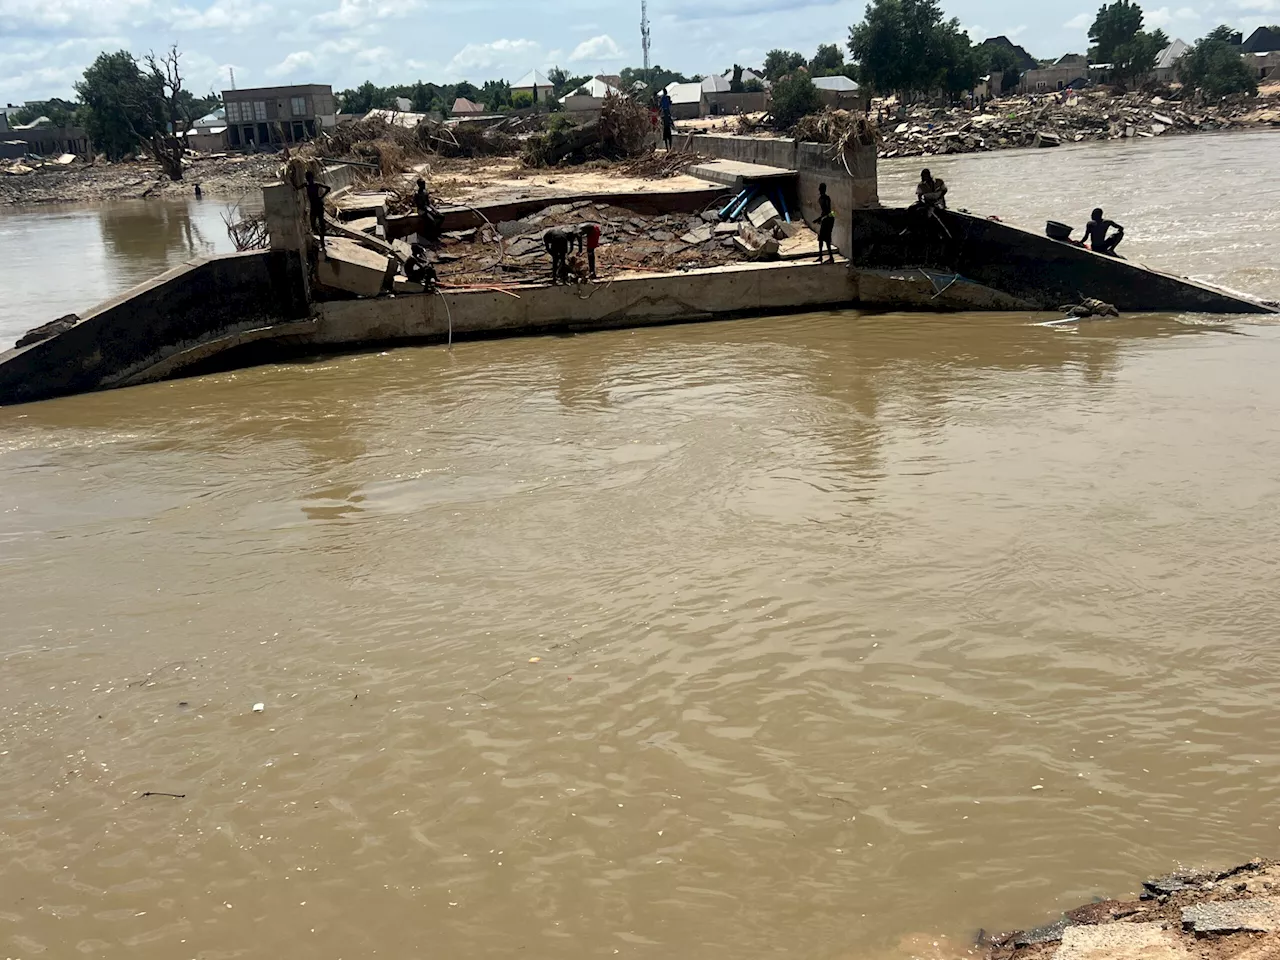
(534, 83)
(268, 117)
(1071, 69)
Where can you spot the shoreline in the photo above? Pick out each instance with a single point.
(224, 178)
(1208, 914)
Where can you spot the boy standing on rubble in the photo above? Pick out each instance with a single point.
(591, 233)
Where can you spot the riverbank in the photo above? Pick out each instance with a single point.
(1209, 914)
(219, 176)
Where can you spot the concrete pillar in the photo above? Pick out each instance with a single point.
(284, 207)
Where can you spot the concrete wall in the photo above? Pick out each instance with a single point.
(730, 103)
(1027, 266)
(851, 188)
(626, 301)
(201, 299)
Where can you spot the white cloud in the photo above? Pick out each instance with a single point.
(231, 15)
(597, 48)
(291, 64)
(364, 13)
(498, 53)
(1081, 21)
(1016, 32)
(1163, 17)
(76, 17)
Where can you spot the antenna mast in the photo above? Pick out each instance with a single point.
(644, 37)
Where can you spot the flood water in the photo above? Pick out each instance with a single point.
(57, 259)
(820, 636)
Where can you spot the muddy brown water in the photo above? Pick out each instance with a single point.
(817, 636)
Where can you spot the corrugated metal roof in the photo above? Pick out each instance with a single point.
(685, 92)
(840, 84)
(534, 78)
(1170, 54)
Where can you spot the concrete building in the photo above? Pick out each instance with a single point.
(268, 117)
(43, 139)
(839, 92)
(687, 101)
(1070, 69)
(209, 133)
(1265, 65)
(534, 83)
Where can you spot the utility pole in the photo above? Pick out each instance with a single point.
(232, 71)
(644, 39)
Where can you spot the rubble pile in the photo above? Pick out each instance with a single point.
(1054, 119)
(512, 251)
(49, 181)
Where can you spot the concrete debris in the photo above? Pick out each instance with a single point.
(1049, 933)
(347, 266)
(1120, 941)
(1261, 915)
(755, 243)
(699, 234)
(1073, 117)
(763, 215)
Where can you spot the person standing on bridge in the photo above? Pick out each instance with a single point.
(826, 223)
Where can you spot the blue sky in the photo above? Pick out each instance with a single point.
(45, 44)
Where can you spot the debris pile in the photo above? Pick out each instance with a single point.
(512, 252)
(1050, 120)
(837, 128)
(623, 131)
(218, 174)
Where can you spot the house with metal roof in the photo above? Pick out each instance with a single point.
(534, 83)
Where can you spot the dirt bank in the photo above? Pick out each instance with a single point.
(1189, 915)
(223, 177)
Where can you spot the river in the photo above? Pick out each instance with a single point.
(817, 636)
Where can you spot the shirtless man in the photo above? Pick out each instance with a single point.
(1095, 234)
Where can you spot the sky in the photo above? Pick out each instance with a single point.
(46, 44)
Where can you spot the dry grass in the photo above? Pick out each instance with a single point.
(837, 128)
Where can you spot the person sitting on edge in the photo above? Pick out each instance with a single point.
(558, 241)
(432, 220)
(1095, 233)
(931, 192)
(591, 233)
(826, 223)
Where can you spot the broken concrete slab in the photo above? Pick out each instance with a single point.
(758, 245)
(1049, 933)
(763, 215)
(346, 265)
(726, 229)
(1121, 941)
(699, 234)
(1260, 915)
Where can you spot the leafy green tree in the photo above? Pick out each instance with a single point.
(794, 96)
(754, 85)
(368, 96)
(1118, 39)
(1225, 34)
(905, 46)
(113, 91)
(1114, 26)
(1003, 62)
(827, 62)
(735, 85)
(778, 63)
(1214, 69)
(495, 94)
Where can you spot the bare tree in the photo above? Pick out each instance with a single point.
(169, 111)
